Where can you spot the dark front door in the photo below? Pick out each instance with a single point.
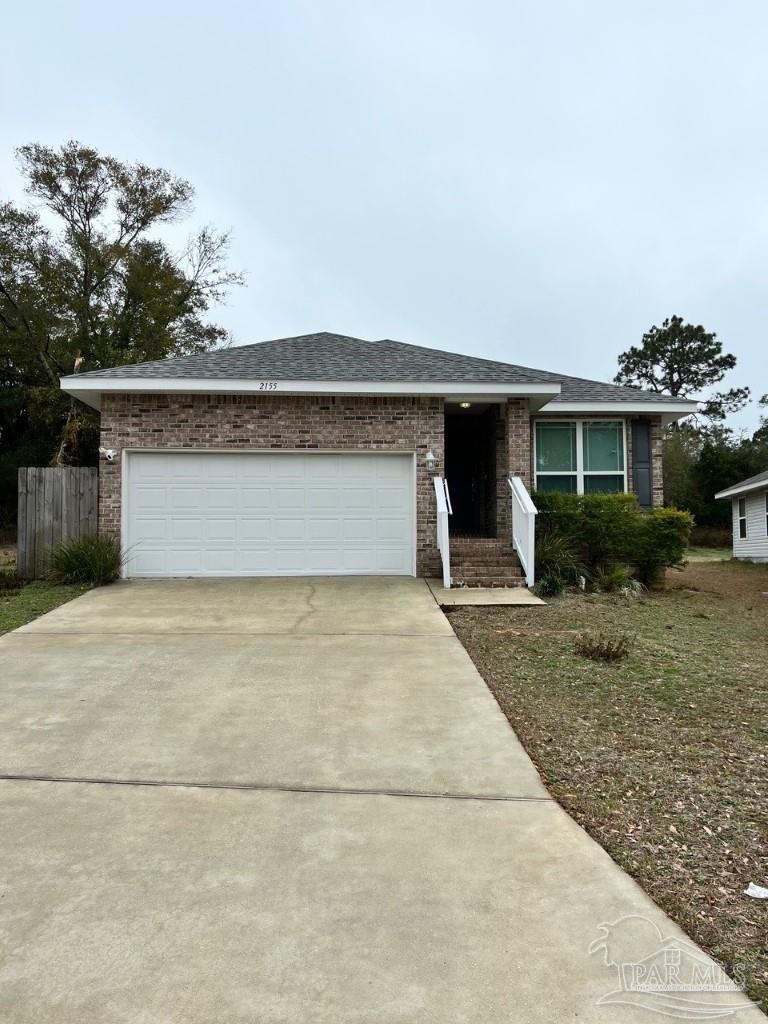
(470, 468)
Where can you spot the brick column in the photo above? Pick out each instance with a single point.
(513, 456)
(519, 439)
(657, 469)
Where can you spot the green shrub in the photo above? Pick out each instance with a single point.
(662, 542)
(711, 537)
(599, 526)
(96, 560)
(599, 647)
(609, 530)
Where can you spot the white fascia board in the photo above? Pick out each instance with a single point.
(89, 390)
(669, 411)
(682, 408)
(738, 489)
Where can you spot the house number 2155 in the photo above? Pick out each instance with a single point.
(268, 385)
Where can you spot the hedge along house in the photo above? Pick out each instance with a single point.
(329, 455)
(749, 514)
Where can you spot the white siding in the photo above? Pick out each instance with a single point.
(755, 545)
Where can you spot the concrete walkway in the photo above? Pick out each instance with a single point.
(284, 801)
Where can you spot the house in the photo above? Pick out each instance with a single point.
(749, 507)
(325, 454)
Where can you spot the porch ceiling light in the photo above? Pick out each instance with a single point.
(465, 405)
(431, 461)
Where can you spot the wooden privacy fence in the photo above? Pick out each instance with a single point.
(54, 505)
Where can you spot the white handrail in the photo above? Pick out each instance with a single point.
(524, 514)
(443, 542)
(448, 497)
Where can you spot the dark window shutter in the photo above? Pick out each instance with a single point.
(641, 462)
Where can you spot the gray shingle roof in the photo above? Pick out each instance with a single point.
(747, 484)
(326, 357)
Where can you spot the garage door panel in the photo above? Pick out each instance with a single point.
(255, 498)
(183, 528)
(254, 529)
(289, 529)
(185, 561)
(150, 499)
(255, 561)
(221, 529)
(391, 498)
(183, 497)
(324, 498)
(357, 498)
(293, 467)
(291, 560)
(218, 499)
(289, 499)
(391, 529)
(391, 562)
(361, 529)
(220, 561)
(323, 529)
(148, 529)
(325, 468)
(222, 514)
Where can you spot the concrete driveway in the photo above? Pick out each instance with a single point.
(285, 801)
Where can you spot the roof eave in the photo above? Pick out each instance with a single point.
(670, 410)
(738, 489)
(90, 389)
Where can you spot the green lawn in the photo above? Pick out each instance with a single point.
(32, 600)
(708, 554)
(663, 758)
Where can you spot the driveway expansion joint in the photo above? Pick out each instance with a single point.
(273, 788)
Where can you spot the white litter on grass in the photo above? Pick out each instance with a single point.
(757, 892)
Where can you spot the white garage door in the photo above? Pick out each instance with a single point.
(265, 514)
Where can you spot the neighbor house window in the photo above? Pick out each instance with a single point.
(742, 518)
(766, 513)
(580, 456)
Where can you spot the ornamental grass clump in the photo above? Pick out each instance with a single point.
(601, 647)
(95, 560)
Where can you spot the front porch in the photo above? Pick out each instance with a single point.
(487, 465)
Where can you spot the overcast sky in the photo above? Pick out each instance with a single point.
(532, 182)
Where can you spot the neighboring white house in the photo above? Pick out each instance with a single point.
(749, 501)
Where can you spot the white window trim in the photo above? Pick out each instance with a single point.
(580, 472)
(742, 518)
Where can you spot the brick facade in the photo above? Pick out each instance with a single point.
(273, 422)
(330, 423)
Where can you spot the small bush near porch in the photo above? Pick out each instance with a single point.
(607, 539)
(662, 757)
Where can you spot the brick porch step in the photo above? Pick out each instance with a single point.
(484, 562)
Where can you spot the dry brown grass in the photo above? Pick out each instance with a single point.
(664, 757)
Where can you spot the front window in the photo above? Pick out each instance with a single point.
(580, 456)
(742, 518)
(556, 462)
